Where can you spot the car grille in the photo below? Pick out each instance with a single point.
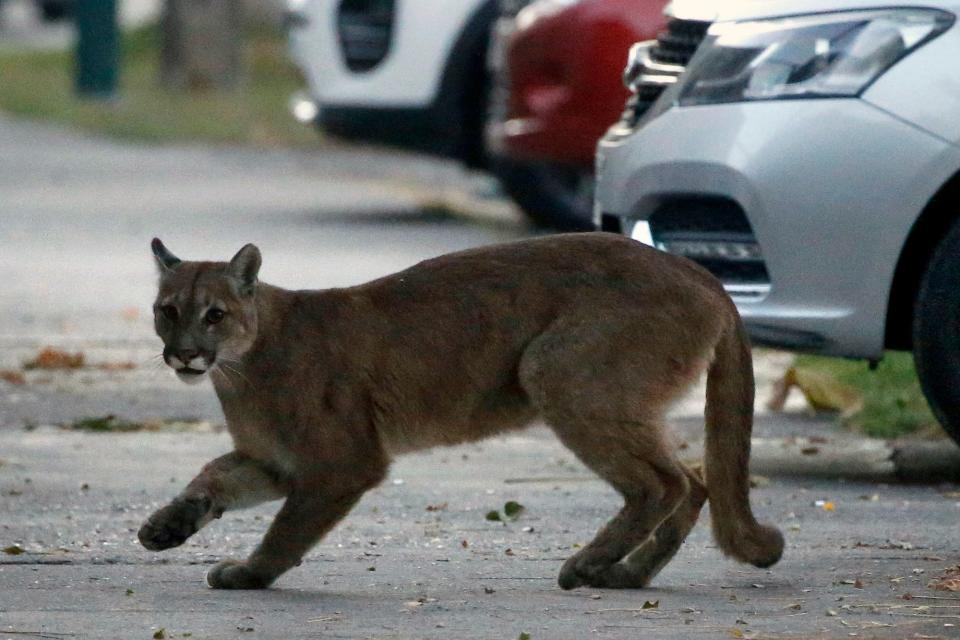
(715, 233)
(660, 64)
(365, 29)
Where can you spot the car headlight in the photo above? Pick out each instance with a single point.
(813, 56)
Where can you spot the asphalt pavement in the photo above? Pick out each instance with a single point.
(417, 558)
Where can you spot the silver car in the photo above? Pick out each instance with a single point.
(808, 154)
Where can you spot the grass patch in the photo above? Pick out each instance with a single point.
(114, 424)
(893, 404)
(39, 85)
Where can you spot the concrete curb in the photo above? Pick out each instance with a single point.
(853, 458)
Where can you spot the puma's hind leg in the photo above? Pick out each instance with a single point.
(652, 484)
(604, 391)
(644, 563)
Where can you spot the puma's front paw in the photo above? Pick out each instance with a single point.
(233, 574)
(172, 525)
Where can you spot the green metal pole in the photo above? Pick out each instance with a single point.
(98, 48)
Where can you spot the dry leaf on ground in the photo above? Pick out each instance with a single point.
(116, 366)
(949, 581)
(822, 392)
(50, 358)
(12, 377)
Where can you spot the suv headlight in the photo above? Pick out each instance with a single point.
(814, 56)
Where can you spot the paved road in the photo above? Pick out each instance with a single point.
(396, 569)
(76, 215)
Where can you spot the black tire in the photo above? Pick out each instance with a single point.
(936, 333)
(54, 10)
(551, 195)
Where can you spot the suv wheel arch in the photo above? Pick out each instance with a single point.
(925, 235)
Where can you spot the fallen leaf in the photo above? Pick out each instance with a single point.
(822, 391)
(488, 590)
(12, 377)
(829, 506)
(758, 481)
(513, 509)
(510, 552)
(129, 592)
(437, 507)
(14, 550)
(949, 581)
(50, 358)
(736, 633)
(464, 544)
(810, 451)
(523, 636)
(160, 634)
(116, 366)
(651, 604)
(493, 516)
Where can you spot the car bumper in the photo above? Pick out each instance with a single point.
(830, 189)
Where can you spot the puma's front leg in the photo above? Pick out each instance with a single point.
(311, 510)
(232, 481)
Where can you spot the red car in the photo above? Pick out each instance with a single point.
(557, 67)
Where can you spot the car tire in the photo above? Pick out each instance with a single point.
(54, 10)
(552, 195)
(936, 333)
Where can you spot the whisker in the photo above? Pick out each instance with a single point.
(227, 366)
(226, 380)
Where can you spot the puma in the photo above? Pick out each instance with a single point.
(594, 333)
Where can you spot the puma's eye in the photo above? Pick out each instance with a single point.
(214, 316)
(170, 312)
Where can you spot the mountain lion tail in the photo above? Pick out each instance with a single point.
(729, 419)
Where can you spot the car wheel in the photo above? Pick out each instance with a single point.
(54, 10)
(936, 333)
(551, 195)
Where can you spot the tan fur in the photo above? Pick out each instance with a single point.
(594, 333)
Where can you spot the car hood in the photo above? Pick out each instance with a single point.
(722, 11)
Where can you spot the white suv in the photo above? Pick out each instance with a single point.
(808, 154)
(406, 72)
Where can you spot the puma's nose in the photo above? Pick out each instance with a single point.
(186, 355)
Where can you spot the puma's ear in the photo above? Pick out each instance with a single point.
(166, 261)
(244, 267)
